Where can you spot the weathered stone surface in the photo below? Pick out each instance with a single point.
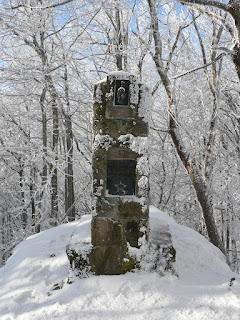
(117, 152)
(106, 231)
(117, 127)
(131, 209)
(160, 242)
(107, 207)
(120, 129)
(111, 259)
(115, 120)
(133, 230)
(141, 128)
(79, 261)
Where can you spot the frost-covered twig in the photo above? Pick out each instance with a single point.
(199, 68)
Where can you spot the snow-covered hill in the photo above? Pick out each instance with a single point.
(202, 290)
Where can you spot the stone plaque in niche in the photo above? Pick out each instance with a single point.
(121, 177)
(121, 93)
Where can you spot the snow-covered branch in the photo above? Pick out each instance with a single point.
(199, 68)
(54, 5)
(210, 3)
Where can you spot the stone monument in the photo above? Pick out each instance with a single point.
(120, 172)
(120, 237)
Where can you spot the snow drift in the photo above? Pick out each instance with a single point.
(39, 265)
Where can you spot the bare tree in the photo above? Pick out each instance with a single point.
(233, 9)
(190, 163)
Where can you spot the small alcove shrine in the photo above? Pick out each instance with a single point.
(120, 172)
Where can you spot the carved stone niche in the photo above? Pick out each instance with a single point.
(121, 177)
(121, 93)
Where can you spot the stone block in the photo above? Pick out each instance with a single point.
(110, 260)
(107, 207)
(133, 231)
(79, 262)
(141, 128)
(130, 209)
(120, 112)
(121, 153)
(106, 231)
(111, 127)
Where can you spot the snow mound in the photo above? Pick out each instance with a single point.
(39, 264)
(197, 261)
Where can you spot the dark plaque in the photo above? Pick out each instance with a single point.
(121, 93)
(121, 177)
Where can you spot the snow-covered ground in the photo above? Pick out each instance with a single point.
(202, 290)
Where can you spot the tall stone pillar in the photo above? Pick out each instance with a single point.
(120, 172)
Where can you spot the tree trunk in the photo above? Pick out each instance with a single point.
(233, 8)
(198, 183)
(54, 169)
(44, 135)
(54, 164)
(205, 201)
(69, 183)
(32, 198)
(195, 175)
(21, 184)
(236, 59)
(119, 56)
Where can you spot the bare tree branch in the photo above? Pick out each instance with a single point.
(199, 68)
(210, 3)
(43, 8)
(181, 28)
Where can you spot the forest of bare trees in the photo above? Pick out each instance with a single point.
(52, 54)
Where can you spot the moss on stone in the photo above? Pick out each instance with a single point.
(79, 262)
(108, 259)
(129, 264)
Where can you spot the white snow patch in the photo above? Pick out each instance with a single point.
(134, 90)
(201, 292)
(99, 93)
(143, 186)
(143, 165)
(142, 201)
(146, 102)
(102, 81)
(121, 75)
(136, 144)
(103, 141)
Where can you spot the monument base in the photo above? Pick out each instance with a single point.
(157, 254)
